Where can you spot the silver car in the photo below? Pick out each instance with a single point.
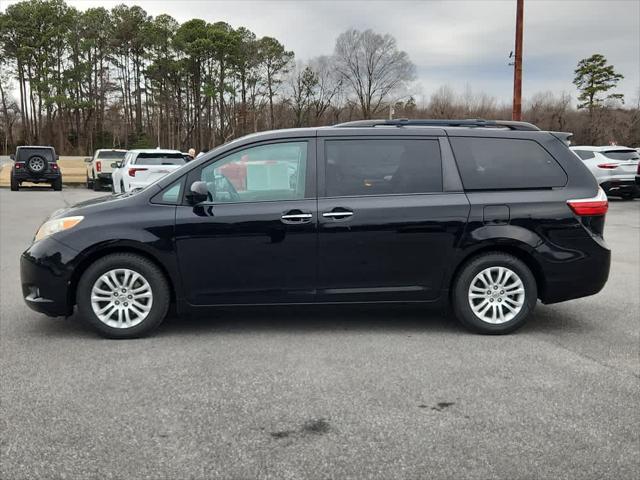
(614, 168)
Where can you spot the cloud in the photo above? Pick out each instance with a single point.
(454, 42)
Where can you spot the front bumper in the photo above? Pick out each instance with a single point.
(45, 274)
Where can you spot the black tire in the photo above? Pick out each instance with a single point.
(15, 184)
(627, 196)
(149, 270)
(462, 283)
(57, 184)
(121, 187)
(97, 185)
(89, 183)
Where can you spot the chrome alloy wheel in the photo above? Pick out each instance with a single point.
(121, 298)
(496, 295)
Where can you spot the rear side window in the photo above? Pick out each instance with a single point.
(111, 155)
(25, 154)
(159, 159)
(504, 163)
(584, 154)
(621, 154)
(381, 167)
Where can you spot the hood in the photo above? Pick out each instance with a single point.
(87, 206)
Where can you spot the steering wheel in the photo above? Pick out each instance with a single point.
(233, 193)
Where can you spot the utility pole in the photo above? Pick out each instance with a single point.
(517, 69)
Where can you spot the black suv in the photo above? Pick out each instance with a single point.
(487, 217)
(35, 165)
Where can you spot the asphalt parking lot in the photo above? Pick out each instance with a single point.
(322, 392)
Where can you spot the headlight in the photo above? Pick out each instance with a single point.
(56, 225)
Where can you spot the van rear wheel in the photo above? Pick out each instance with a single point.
(494, 293)
(123, 295)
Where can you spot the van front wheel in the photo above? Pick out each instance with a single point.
(123, 295)
(494, 293)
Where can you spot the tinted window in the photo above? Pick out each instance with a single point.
(26, 153)
(159, 159)
(502, 163)
(379, 167)
(584, 154)
(111, 155)
(259, 174)
(621, 154)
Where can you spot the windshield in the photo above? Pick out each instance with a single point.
(160, 159)
(621, 154)
(111, 155)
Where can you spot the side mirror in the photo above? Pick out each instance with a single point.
(57, 157)
(12, 156)
(116, 164)
(199, 192)
(88, 159)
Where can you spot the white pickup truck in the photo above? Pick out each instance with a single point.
(139, 168)
(99, 168)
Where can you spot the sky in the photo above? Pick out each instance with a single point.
(460, 43)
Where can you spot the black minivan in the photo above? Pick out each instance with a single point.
(486, 217)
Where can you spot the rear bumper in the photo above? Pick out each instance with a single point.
(614, 187)
(134, 185)
(586, 273)
(26, 176)
(45, 276)
(104, 177)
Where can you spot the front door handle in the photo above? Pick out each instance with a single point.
(338, 213)
(296, 216)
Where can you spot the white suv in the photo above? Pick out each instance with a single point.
(99, 167)
(140, 168)
(614, 168)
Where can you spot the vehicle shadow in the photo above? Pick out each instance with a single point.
(305, 319)
(318, 319)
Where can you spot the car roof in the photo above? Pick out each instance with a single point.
(111, 150)
(36, 146)
(605, 148)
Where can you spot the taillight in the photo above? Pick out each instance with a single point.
(18, 166)
(638, 171)
(98, 166)
(589, 207)
(608, 166)
(54, 166)
(132, 171)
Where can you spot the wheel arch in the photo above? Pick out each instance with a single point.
(109, 249)
(519, 250)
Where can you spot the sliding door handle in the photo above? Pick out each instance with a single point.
(296, 216)
(338, 213)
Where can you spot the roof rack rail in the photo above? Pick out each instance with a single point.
(474, 123)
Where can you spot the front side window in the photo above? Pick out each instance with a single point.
(171, 195)
(382, 167)
(273, 172)
(505, 163)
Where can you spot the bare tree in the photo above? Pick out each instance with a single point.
(372, 67)
(329, 84)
